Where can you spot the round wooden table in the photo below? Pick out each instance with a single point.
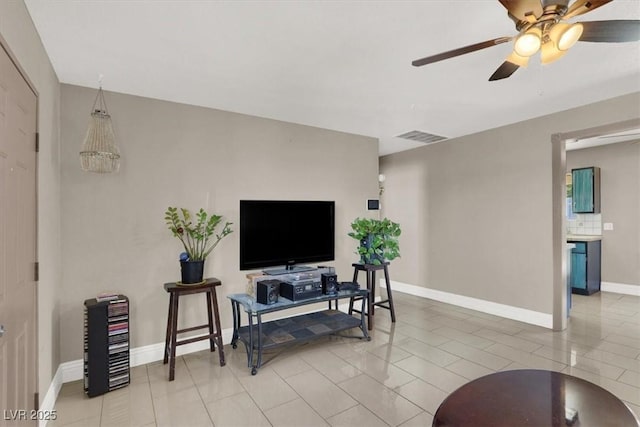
(531, 397)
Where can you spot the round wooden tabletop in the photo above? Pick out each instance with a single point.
(531, 397)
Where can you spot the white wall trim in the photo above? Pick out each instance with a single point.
(49, 401)
(620, 288)
(515, 313)
(74, 369)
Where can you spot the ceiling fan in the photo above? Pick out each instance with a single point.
(542, 27)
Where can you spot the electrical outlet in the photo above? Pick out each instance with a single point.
(607, 226)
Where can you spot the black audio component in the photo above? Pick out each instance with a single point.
(329, 283)
(267, 291)
(348, 286)
(300, 291)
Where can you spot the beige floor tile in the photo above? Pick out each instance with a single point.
(217, 384)
(385, 403)
(423, 334)
(204, 359)
(71, 388)
(390, 353)
(600, 368)
(468, 369)
(76, 407)
(138, 374)
(423, 394)
(531, 360)
(631, 378)
(480, 357)
(295, 414)
(326, 398)
(380, 370)
(619, 349)
(496, 323)
(87, 422)
(614, 359)
(181, 408)
(459, 324)
(286, 366)
(330, 365)
(128, 406)
(624, 340)
(428, 352)
(423, 419)
(237, 410)
(331, 380)
(509, 340)
(473, 340)
(358, 416)
(159, 378)
(433, 374)
(267, 389)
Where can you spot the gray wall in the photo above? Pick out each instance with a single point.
(477, 211)
(22, 40)
(114, 235)
(620, 199)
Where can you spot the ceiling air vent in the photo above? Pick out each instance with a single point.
(424, 137)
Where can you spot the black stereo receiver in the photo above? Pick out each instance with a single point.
(301, 290)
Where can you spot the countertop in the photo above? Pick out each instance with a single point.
(582, 238)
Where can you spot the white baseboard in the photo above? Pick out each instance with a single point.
(74, 370)
(515, 313)
(620, 288)
(49, 401)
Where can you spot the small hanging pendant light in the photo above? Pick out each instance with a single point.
(100, 153)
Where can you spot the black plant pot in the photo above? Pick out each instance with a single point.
(192, 271)
(366, 243)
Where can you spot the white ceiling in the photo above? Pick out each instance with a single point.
(342, 65)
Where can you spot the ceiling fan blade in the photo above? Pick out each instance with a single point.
(520, 8)
(610, 31)
(505, 70)
(583, 6)
(459, 51)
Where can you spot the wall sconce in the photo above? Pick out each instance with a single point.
(381, 179)
(100, 153)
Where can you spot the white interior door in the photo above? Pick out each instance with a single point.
(18, 361)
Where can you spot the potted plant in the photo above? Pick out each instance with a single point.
(378, 240)
(198, 239)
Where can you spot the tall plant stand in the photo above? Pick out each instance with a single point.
(214, 336)
(370, 270)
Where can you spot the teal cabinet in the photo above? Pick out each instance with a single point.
(579, 267)
(585, 267)
(585, 190)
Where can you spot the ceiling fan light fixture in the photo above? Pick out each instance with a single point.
(550, 53)
(528, 43)
(568, 36)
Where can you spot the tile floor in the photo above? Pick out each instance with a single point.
(397, 379)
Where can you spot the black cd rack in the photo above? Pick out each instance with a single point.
(106, 344)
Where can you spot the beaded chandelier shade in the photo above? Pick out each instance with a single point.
(100, 153)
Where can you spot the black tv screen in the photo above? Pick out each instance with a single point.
(284, 233)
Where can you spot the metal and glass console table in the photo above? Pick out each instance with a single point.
(258, 336)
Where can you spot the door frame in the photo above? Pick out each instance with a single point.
(559, 191)
(4, 45)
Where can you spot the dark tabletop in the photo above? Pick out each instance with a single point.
(531, 398)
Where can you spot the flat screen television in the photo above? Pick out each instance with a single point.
(286, 233)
